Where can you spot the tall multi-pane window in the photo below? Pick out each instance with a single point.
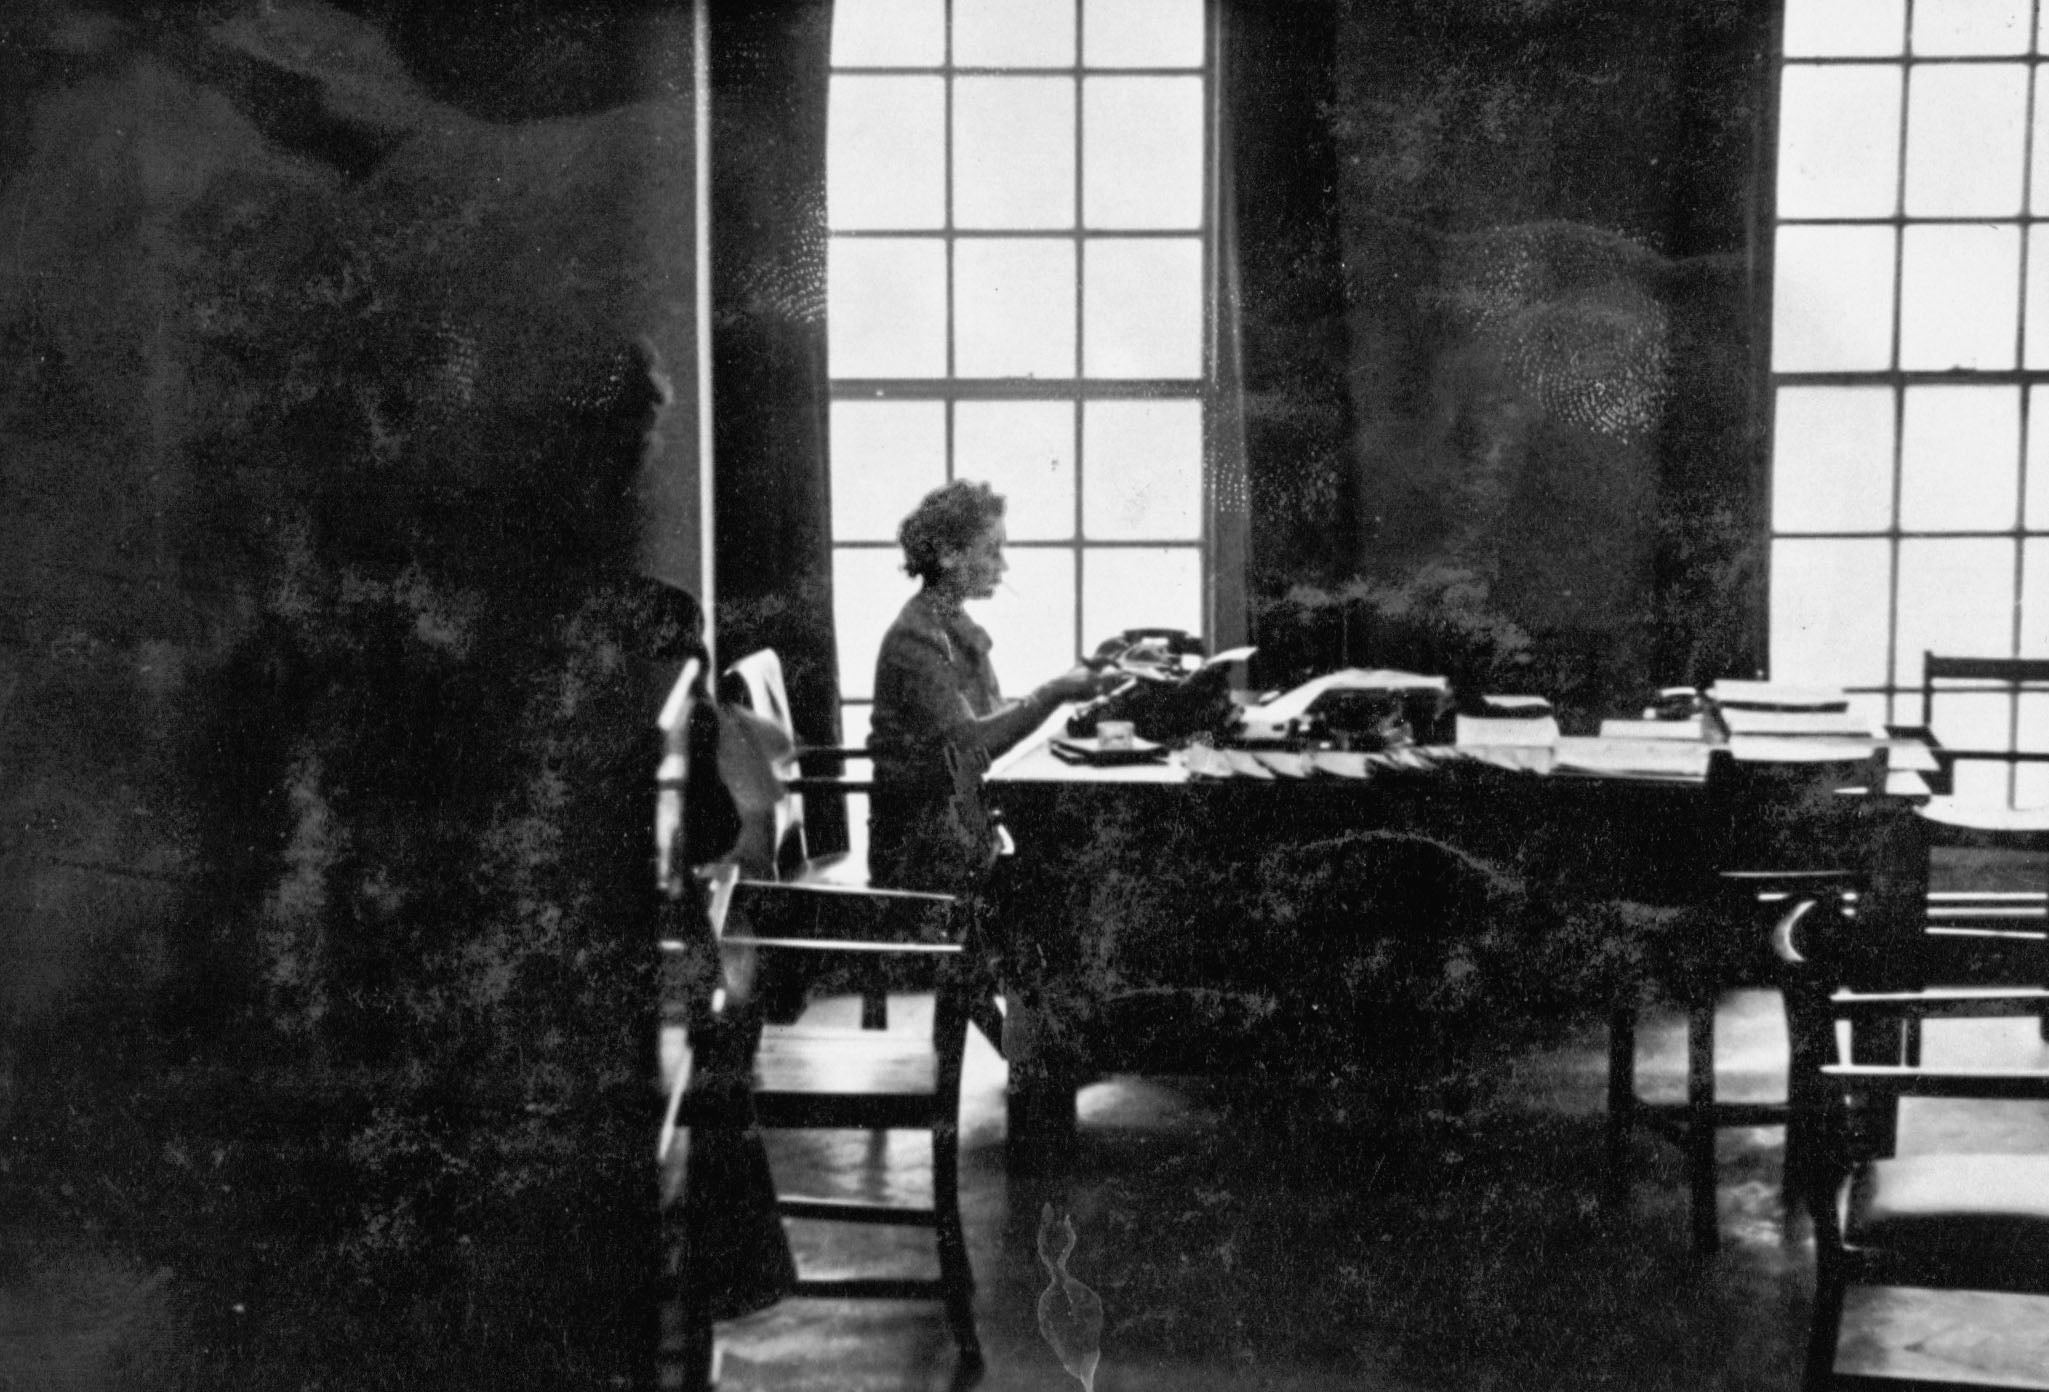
(1910, 358)
(1018, 195)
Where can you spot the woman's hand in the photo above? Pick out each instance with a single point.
(1080, 683)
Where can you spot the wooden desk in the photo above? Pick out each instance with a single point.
(1135, 888)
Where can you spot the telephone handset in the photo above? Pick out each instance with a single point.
(1149, 652)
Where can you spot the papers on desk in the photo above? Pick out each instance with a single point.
(1776, 696)
(1845, 724)
(1512, 741)
(1671, 760)
(1268, 765)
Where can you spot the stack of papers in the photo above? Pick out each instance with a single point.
(1777, 696)
(1775, 710)
(1681, 760)
(1694, 727)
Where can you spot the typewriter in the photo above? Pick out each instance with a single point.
(1172, 690)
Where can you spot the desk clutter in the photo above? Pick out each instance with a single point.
(1358, 722)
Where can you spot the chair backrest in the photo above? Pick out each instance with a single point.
(920, 934)
(1982, 709)
(672, 777)
(756, 681)
(1789, 813)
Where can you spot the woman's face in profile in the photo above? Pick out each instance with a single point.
(975, 571)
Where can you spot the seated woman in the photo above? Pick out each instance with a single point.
(939, 716)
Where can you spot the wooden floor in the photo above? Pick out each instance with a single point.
(1324, 1242)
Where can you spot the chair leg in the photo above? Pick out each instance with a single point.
(696, 1359)
(1700, 1127)
(956, 1274)
(1621, 1098)
(1824, 1333)
(1810, 1037)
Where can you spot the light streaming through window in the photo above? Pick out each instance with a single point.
(1910, 357)
(1018, 194)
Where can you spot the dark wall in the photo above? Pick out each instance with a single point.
(1543, 230)
(332, 460)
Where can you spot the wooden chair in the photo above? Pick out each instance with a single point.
(811, 1077)
(1948, 682)
(1979, 934)
(1777, 832)
(801, 1076)
(756, 681)
(1960, 1221)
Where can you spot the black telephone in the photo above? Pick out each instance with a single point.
(1169, 694)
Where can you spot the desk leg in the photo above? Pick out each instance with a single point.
(1621, 1098)
(1040, 1101)
(1701, 1118)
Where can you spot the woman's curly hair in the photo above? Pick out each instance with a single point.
(949, 518)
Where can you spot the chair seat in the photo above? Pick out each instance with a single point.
(857, 1078)
(1953, 1213)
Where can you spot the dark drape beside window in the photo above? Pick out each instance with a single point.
(1497, 337)
(772, 499)
(1282, 311)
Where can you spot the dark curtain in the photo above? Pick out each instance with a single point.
(772, 500)
(1282, 311)
(1499, 335)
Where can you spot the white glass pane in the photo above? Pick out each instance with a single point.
(1960, 452)
(1832, 299)
(1972, 719)
(1142, 314)
(1025, 451)
(1013, 152)
(1844, 28)
(889, 33)
(1828, 611)
(1966, 137)
(885, 153)
(1980, 782)
(2032, 726)
(1956, 595)
(1839, 141)
(1142, 470)
(886, 307)
(885, 456)
(2038, 192)
(868, 587)
(2031, 783)
(2035, 600)
(1142, 152)
(1959, 297)
(1013, 33)
(1963, 27)
(1014, 308)
(1140, 587)
(2036, 514)
(1832, 454)
(1032, 617)
(1142, 33)
(855, 722)
(2035, 323)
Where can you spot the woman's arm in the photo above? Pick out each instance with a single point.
(919, 695)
